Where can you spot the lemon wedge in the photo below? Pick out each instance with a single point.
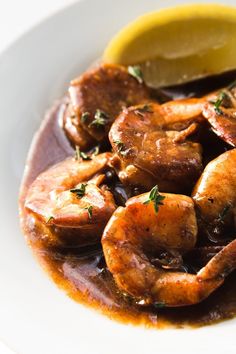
(177, 45)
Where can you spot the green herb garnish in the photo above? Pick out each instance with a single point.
(121, 148)
(100, 119)
(224, 212)
(96, 150)
(84, 117)
(159, 305)
(136, 72)
(80, 154)
(119, 144)
(90, 211)
(84, 156)
(156, 198)
(80, 191)
(145, 109)
(49, 219)
(219, 102)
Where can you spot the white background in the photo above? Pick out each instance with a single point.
(16, 17)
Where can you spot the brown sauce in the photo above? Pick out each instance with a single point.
(82, 273)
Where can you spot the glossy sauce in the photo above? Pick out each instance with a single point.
(82, 273)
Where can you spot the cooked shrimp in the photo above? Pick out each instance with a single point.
(136, 232)
(152, 147)
(97, 97)
(219, 108)
(220, 111)
(183, 111)
(66, 196)
(75, 131)
(215, 194)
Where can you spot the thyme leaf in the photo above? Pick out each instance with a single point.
(222, 95)
(136, 72)
(90, 211)
(119, 144)
(84, 117)
(96, 150)
(155, 197)
(80, 191)
(49, 219)
(100, 119)
(80, 154)
(224, 213)
(121, 148)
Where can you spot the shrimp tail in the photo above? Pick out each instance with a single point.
(222, 264)
(182, 289)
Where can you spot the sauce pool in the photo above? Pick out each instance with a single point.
(82, 273)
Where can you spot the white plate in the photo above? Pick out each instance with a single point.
(36, 317)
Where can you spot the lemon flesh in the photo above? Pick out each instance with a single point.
(179, 44)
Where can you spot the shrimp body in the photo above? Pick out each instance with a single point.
(183, 110)
(75, 131)
(51, 199)
(96, 98)
(215, 193)
(218, 108)
(151, 146)
(220, 111)
(135, 233)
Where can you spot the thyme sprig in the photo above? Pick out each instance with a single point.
(121, 147)
(155, 197)
(100, 119)
(80, 154)
(96, 150)
(119, 144)
(224, 213)
(85, 116)
(136, 72)
(49, 219)
(222, 95)
(219, 102)
(90, 211)
(80, 191)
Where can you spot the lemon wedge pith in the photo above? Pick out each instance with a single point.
(178, 44)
